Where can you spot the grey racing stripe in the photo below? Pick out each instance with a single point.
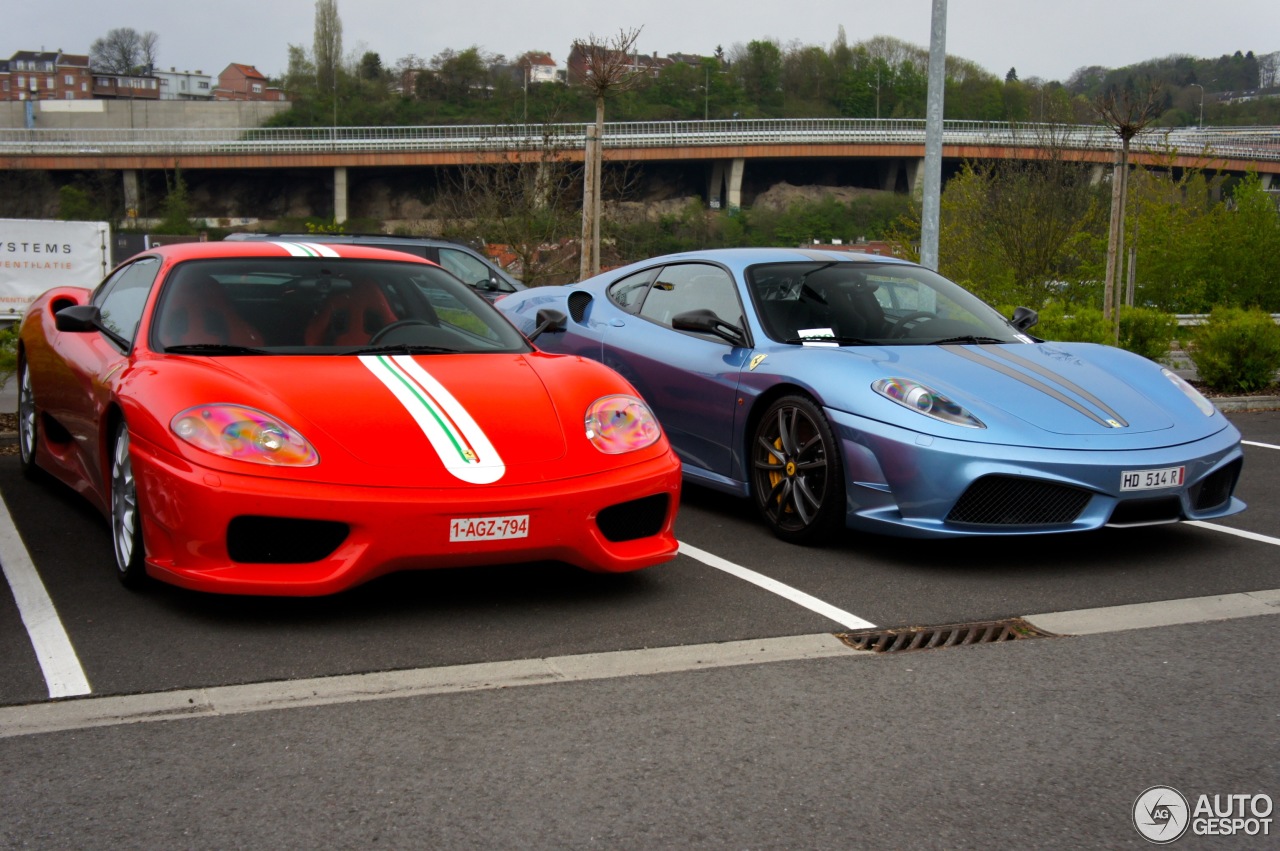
(1003, 351)
(1006, 369)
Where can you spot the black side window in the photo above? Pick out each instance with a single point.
(692, 286)
(629, 292)
(122, 297)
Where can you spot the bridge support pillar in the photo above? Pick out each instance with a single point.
(915, 177)
(1097, 174)
(1268, 180)
(889, 177)
(340, 194)
(130, 194)
(726, 179)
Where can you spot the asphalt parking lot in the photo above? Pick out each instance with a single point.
(654, 666)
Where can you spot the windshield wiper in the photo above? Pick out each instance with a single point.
(401, 348)
(969, 340)
(213, 349)
(839, 341)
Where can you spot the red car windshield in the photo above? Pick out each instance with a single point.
(334, 306)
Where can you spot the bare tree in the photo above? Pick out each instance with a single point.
(607, 68)
(1127, 111)
(124, 51)
(525, 199)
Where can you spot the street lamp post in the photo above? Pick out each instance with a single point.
(1201, 88)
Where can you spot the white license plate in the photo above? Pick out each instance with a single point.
(489, 528)
(1149, 480)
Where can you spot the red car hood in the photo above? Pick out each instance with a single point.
(396, 420)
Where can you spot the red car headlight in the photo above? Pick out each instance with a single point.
(618, 424)
(245, 434)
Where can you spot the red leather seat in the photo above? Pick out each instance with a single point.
(350, 317)
(198, 310)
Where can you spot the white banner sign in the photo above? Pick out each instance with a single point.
(38, 255)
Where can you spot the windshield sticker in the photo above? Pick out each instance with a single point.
(462, 446)
(807, 333)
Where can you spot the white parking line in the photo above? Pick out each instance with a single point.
(813, 604)
(1263, 445)
(62, 672)
(1252, 536)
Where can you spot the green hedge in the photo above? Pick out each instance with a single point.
(1237, 350)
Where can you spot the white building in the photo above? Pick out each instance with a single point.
(185, 85)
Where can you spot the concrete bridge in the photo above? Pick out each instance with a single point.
(726, 147)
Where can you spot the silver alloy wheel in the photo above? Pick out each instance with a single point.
(26, 418)
(124, 505)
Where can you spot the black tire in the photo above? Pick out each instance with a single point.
(797, 474)
(28, 423)
(126, 516)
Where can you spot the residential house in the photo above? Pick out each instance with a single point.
(245, 82)
(45, 75)
(125, 86)
(538, 67)
(185, 85)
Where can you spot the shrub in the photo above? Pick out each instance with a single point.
(1237, 350)
(8, 352)
(1080, 325)
(1147, 332)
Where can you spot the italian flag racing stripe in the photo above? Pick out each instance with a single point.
(462, 446)
(307, 249)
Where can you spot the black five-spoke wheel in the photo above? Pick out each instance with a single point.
(797, 475)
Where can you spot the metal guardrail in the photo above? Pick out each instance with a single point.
(1252, 143)
(1202, 318)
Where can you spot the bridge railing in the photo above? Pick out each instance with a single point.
(1255, 143)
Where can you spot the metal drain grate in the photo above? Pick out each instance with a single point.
(931, 637)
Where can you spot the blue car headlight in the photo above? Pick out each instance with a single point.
(925, 400)
(1206, 407)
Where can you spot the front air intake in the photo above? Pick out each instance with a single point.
(639, 518)
(579, 300)
(282, 540)
(1011, 501)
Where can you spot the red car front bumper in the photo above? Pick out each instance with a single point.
(188, 511)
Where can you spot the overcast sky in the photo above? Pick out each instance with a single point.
(1040, 39)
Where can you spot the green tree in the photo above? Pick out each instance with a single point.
(175, 210)
(1246, 248)
(759, 72)
(326, 45)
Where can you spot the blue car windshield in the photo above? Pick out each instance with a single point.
(867, 303)
(323, 306)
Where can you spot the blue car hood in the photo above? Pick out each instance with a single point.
(1069, 395)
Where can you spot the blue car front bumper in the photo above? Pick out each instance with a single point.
(902, 482)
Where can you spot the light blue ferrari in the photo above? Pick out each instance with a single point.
(838, 389)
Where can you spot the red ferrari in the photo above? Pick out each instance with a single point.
(293, 418)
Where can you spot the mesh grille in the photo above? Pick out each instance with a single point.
(1215, 489)
(1007, 501)
(578, 301)
(639, 518)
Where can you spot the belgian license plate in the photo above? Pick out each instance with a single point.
(1149, 480)
(489, 528)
